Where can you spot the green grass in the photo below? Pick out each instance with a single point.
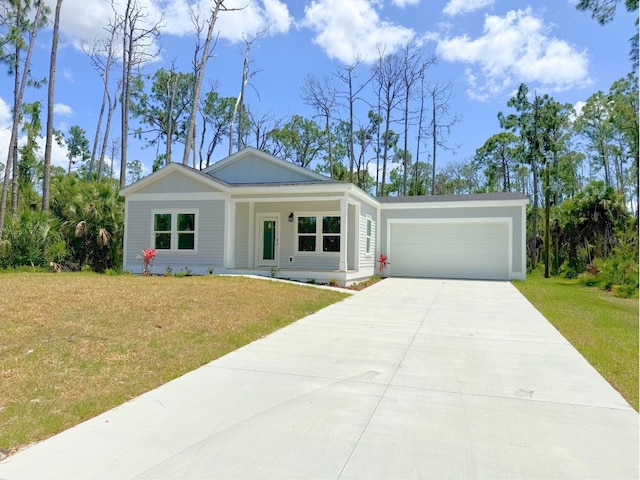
(74, 345)
(603, 328)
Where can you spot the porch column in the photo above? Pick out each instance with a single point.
(229, 246)
(252, 222)
(344, 221)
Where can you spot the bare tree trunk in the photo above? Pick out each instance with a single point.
(416, 180)
(107, 130)
(199, 67)
(96, 52)
(46, 178)
(20, 83)
(135, 40)
(127, 43)
(434, 133)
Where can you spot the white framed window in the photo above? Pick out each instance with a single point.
(174, 230)
(369, 235)
(318, 233)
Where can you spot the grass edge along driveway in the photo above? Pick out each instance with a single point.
(75, 345)
(603, 328)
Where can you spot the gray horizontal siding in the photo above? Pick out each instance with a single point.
(313, 261)
(209, 230)
(176, 183)
(241, 250)
(254, 170)
(367, 260)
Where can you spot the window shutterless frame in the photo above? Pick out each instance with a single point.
(317, 233)
(174, 230)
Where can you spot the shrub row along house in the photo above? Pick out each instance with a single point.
(253, 213)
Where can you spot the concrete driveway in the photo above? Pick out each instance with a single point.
(407, 379)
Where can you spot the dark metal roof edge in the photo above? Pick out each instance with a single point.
(473, 197)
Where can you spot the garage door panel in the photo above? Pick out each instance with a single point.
(450, 250)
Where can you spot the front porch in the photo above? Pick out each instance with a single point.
(297, 237)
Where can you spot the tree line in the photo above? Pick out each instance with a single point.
(381, 126)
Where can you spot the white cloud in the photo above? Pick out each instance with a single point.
(58, 153)
(62, 109)
(174, 18)
(348, 30)
(456, 7)
(404, 3)
(513, 49)
(577, 109)
(5, 130)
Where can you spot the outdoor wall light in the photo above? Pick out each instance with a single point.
(291, 217)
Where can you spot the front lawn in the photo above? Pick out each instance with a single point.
(603, 328)
(75, 345)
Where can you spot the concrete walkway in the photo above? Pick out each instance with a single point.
(407, 379)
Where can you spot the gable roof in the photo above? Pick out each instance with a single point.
(253, 166)
(172, 167)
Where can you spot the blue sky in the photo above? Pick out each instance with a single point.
(485, 47)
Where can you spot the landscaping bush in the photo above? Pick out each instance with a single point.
(31, 238)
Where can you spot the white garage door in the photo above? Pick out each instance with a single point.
(477, 250)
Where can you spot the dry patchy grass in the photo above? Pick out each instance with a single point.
(75, 345)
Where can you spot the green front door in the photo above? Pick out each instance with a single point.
(267, 241)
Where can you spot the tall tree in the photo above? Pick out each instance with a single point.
(300, 140)
(322, 95)
(201, 56)
(238, 108)
(625, 114)
(526, 124)
(216, 113)
(23, 26)
(497, 156)
(350, 95)
(441, 123)
(29, 163)
(164, 109)
(101, 53)
(46, 178)
(412, 70)
(261, 127)
(594, 124)
(138, 46)
(77, 146)
(387, 77)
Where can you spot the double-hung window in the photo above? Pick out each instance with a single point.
(307, 229)
(330, 234)
(174, 230)
(369, 236)
(318, 233)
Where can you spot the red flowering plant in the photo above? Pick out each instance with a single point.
(148, 254)
(383, 261)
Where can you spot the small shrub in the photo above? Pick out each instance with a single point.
(111, 271)
(181, 274)
(167, 271)
(333, 282)
(274, 272)
(312, 281)
(210, 270)
(588, 279)
(625, 291)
